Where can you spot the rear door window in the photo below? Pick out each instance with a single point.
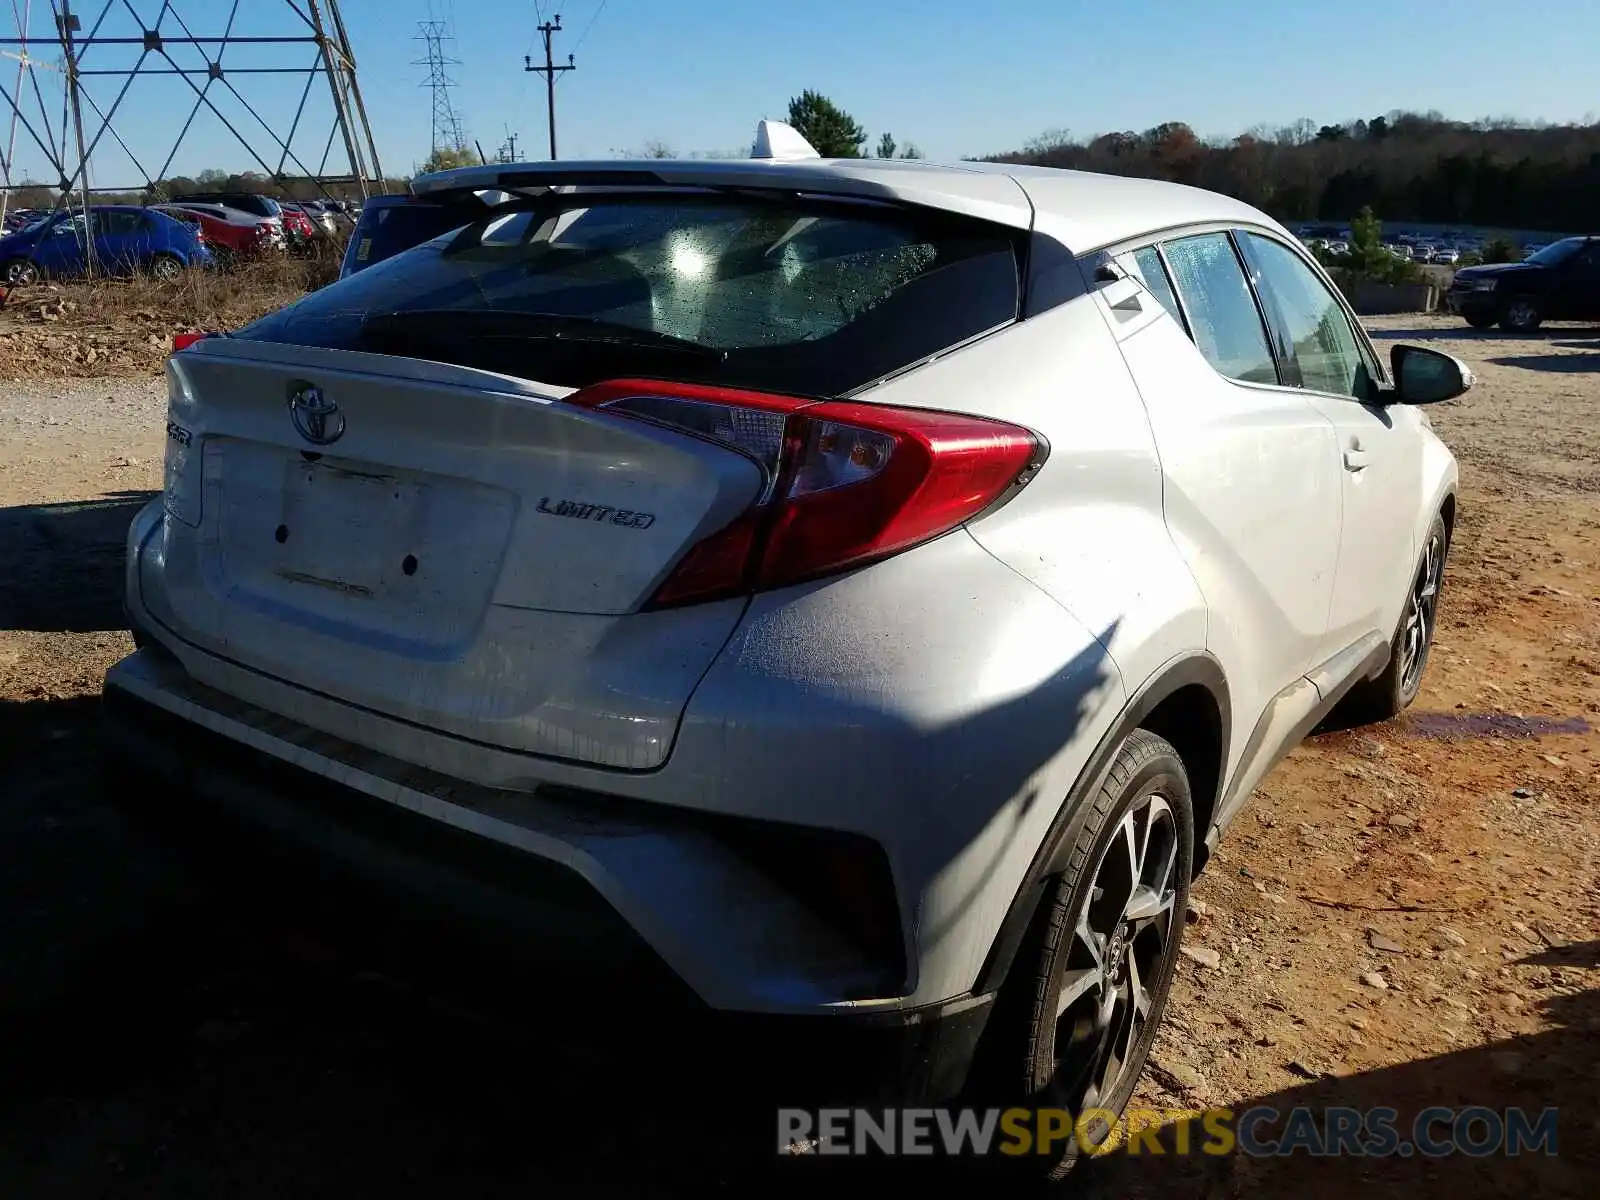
(1223, 318)
(117, 222)
(1145, 265)
(804, 296)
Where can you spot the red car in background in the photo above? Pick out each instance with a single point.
(298, 226)
(233, 232)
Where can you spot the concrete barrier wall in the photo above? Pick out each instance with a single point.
(1375, 299)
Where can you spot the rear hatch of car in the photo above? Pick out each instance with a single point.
(393, 492)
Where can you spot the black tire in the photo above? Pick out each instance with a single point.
(166, 267)
(18, 272)
(1479, 320)
(1023, 1057)
(1522, 315)
(1392, 692)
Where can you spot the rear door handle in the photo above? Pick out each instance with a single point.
(1355, 459)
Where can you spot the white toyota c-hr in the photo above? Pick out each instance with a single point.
(870, 586)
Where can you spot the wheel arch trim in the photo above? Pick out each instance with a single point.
(1186, 670)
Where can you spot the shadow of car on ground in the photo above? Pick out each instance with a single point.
(65, 562)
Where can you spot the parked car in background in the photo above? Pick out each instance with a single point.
(1559, 283)
(19, 218)
(192, 219)
(316, 223)
(389, 225)
(250, 202)
(121, 239)
(240, 216)
(1446, 256)
(855, 619)
(230, 232)
(1338, 247)
(299, 230)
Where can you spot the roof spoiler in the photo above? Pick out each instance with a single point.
(774, 142)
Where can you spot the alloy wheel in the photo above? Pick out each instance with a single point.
(1522, 315)
(1122, 945)
(1421, 605)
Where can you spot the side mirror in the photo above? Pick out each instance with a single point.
(1423, 376)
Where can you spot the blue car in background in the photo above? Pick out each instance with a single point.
(126, 240)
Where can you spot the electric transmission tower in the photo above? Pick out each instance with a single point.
(105, 104)
(447, 131)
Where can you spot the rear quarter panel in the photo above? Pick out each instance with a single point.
(936, 702)
(1089, 530)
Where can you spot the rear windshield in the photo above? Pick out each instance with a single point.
(811, 297)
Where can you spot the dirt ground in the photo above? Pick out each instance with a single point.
(123, 328)
(1406, 915)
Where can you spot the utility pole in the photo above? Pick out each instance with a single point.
(549, 71)
(510, 148)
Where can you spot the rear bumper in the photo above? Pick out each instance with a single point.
(508, 929)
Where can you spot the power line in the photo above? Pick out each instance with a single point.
(593, 17)
(550, 71)
(538, 15)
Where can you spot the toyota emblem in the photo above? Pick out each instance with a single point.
(316, 417)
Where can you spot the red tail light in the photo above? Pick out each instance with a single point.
(847, 483)
(182, 341)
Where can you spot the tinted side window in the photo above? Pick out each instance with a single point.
(1315, 330)
(117, 222)
(1223, 317)
(1145, 265)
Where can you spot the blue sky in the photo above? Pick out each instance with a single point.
(956, 78)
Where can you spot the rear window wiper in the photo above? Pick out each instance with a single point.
(510, 324)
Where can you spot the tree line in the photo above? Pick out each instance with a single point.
(1405, 166)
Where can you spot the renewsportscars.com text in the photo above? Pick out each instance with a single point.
(1259, 1132)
